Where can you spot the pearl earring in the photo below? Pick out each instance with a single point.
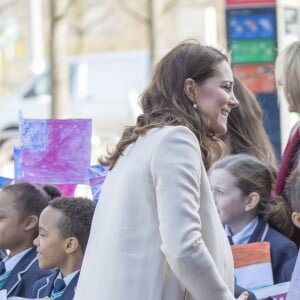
(195, 105)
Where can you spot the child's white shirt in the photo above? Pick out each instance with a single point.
(244, 235)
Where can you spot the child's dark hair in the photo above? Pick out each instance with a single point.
(77, 217)
(252, 175)
(30, 199)
(51, 190)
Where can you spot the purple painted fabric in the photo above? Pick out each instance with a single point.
(67, 190)
(18, 168)
(54, 151)
(97, 175)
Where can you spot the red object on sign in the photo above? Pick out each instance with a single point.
(246, 3)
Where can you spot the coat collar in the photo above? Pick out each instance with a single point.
(19, 270)
(47, 285)
(260, 232)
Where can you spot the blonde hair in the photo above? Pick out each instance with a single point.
(288, 69)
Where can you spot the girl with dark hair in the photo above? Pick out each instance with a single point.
(242, 187)
(20, 208)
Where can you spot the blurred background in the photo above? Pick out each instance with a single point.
(92, 58)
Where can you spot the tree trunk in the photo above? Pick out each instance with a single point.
(151, 33)
(58, 59)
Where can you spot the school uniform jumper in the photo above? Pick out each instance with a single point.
(43, 287)
(282, 248)
(287, 270)
(22, 277)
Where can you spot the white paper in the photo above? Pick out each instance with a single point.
(254, 276)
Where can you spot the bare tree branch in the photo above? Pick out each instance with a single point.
(75, 27)
(169, 5)
(65, 12)
(91, 5)
(97, 20)
(82, 28)
(132, 12)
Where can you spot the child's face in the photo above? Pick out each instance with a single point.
(11, 225)
(50, 242)
(296, 219)
(228, 197)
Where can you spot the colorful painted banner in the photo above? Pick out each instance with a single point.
(67, 190)
(97, 175)
(252, 264)
(253, 51)
(18, 168)
(53, 151)
(5, 181)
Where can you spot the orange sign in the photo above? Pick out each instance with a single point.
(259, 78)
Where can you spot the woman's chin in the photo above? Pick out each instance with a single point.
(221, 131)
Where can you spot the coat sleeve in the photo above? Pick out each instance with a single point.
(176, 172)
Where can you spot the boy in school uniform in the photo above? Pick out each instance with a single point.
(64, 228)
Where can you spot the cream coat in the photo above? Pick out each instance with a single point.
(156, 233)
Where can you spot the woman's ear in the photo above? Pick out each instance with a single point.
(190, 89)
(252, 201)
(31, 222)
(296, 219)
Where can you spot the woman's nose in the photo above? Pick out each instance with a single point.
(233, 101)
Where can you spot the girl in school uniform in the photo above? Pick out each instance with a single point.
(242, 187)
(20, 208)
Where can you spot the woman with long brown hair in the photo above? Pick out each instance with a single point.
(156, 233)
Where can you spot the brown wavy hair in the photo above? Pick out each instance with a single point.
(164, 101)
(246, 132)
